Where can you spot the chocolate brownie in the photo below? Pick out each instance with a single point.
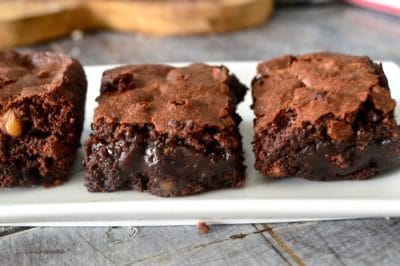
(324, 116)
(42, 97)
(169, 131)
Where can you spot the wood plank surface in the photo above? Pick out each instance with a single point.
(299, 29)
(29, 21)
(351, 242)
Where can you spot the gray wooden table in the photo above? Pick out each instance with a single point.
(295, 30)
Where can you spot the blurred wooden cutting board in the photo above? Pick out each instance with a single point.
(25, 22)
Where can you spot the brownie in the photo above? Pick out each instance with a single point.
(42, 97)
(166, 130)
(323, 116)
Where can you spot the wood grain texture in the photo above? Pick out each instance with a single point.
(338, 28)
(355, 242)
(349, 242)
(27, 22)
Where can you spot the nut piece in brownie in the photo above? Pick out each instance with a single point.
(169, 131)
(42, 98)
(324, 116)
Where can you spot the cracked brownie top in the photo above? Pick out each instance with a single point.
(185, 99)
(316, 85)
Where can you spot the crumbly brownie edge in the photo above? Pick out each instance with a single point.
(311, 153)
(131, 157)
(52, 125)
(238, 90)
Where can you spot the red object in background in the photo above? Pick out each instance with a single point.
(388, 6)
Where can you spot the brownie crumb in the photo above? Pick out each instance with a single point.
(203, 227)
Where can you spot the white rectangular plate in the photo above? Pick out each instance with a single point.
(291, 199)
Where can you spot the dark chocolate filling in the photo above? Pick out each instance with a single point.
(309, 151)
(165, 167)
(337, 161)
